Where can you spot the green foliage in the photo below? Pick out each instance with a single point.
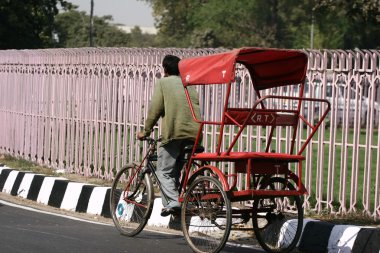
(28, 23)
(349, 24)
(174, 21)
(343, 24)
(204, 39)
(214, 23)
(72, 28)
(70, 23)
(138, 39)
(270, 23)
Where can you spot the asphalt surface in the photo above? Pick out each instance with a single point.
(30, 230)
(27, 233)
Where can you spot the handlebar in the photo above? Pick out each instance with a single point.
(151, 140)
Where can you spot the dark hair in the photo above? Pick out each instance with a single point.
(170, 64)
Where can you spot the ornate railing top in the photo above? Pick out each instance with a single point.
(341, 60)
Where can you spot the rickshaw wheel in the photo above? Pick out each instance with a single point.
(277, 221)
(206, 215)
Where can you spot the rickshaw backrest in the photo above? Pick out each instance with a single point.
(260, 117)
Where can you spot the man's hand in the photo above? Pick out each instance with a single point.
(140, 135)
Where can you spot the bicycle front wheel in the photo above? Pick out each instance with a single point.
(131, 200)
(206, 215)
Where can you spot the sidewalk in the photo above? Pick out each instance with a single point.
(59, 192)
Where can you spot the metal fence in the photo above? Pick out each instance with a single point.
(78, 110)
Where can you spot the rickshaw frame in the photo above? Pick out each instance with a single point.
(268, 68)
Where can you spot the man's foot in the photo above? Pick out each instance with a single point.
(170, 210)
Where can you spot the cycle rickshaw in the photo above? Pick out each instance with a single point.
(271, 180)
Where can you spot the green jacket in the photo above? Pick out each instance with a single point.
(169, 102)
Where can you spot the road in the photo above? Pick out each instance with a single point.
(30, 230)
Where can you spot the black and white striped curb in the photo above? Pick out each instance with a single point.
(61, 193)
(317, 236)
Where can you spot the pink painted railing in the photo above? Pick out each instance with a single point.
(78, 110)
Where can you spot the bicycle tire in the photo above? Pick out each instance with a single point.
(206, 215)
(277, 221)
(130, 212)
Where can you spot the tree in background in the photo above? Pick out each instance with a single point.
(28, 23)
(140, 39)
(334, 24)
(272, 23)
(72, 30)
(214, 23)
(349, 23)
(174, 21)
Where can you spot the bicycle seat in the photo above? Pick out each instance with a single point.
(189, 148)
(187, 151)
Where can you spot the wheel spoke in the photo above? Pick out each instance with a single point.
(277, 221)
(206, 215)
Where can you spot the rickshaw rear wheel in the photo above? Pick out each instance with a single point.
(278, 221)
(206, 215)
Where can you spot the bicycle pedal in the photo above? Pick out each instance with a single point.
(170, 211)
(175, 217)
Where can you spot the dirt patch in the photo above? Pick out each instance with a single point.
(355, 219)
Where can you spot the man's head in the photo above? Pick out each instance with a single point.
(170, 65)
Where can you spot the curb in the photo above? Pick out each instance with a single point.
(62, 193)
(317, 236)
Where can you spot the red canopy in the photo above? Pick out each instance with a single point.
(268, 67)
